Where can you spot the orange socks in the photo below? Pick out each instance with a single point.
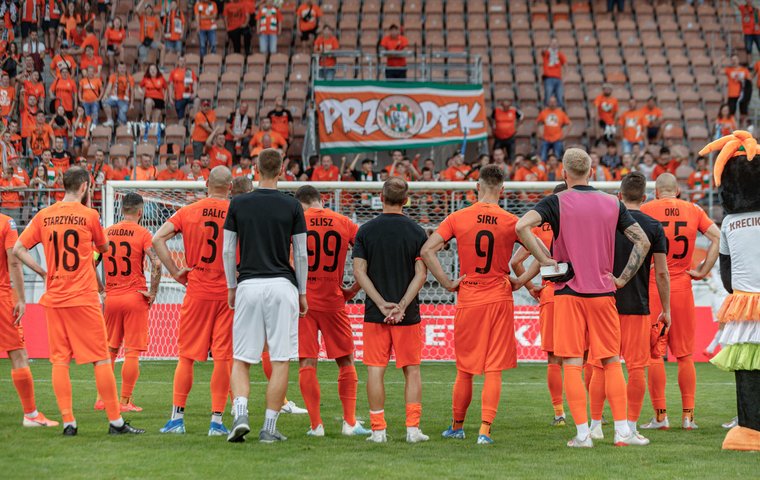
(460, 399)
(220, 385)
(307, 379)
(637, 387)
(377, 420)
(687, 382)
(490, 401)
(130, 371)
(413, 414)
(614, 388)
(266, 364)
(554, 381)
(657, 382)
(596, 393)
(183, 381)
(347, 384)
(588, 372)
(24, 383)
(62, 390)
(575, 393)
(105, 383)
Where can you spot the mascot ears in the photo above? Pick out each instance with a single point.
(739, 143)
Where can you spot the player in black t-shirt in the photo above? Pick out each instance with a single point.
(387, 265)
(633, 305)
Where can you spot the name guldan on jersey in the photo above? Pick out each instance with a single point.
(122, 232)
(64, 220)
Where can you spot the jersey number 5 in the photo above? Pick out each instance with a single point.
(486, 252)
(331, 237)
(68, 242)
(678, 238)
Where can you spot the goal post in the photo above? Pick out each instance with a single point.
(429, 203)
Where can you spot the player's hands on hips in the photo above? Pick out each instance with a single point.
(150, 297)
(664, 318)
(303, 305)
(619, 283)
(181, 275)
(453, 285)
(18, 311)
(231, 292)
(348, 293)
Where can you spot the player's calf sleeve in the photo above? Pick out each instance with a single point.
(266, 364)
(105, 382)
(490, 400)
(220, 385)
(614, 388)
(130, 371)
(307, 380)
(687, 382)
(597, 394)
(588, 373)
(183, 381)
(348, 383)
(554, 382)
(575, 392)
(62, 391)
(461, 396)
(657, 382)
(377, 420)
(413, 414)
(24, 383)
(637, 387)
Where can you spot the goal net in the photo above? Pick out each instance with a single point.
(429, 204)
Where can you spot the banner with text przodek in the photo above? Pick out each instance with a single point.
(367, 115)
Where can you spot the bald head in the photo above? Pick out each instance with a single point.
(666, 185)
(576, 163)
(220, 179)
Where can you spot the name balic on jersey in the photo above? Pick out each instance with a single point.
(214, 213)
(488, 219)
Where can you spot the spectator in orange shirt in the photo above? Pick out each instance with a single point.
(203, 125)
(323, 45)
(218, 155)
(60, 124)
(599, 173)
(456, 170)
(174, 28)
(499, 157)
(282, 119)
(114, 36)
(155, 88)
(91, 93)
(81, 127)
(196, 172)
(119, 93)
(505, 121)
(41, 136)
(172, 171)
(325, 171)
(634, 125)
(750, 25)
(150, 32)
(89, 59)
(552, 122)
(665, 164)
(243, 169)
(554, 60)
(63, 91)
(395, 65)
(257, 141)
(205, 16)
(654, 119)
(530, 171)
(606, 112)
(236, 20)
(119, 170)
(145, 170)
(553, 169)
(7, 97)
(32, 86)
(699, 180)
(10, 194)
(269, 20)
(308, 15)
(736, 74)
(183, 87)
(724, 123)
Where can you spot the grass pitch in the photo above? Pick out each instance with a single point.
(526, 446)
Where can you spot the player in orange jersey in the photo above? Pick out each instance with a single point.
(681, 221)
(205, 322)
(127, 297)
(545, 296)
(68, 230)
(329, 237)
(484, 321)
(11, 333)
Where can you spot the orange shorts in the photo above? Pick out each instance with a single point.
(484, 338)
(683, 323)
(634, 340)
(586, 323)
(405, 340)
(127, 320)
(205, 325)
(336, 333)
(11, 336)
(78, 332)
(546, 320)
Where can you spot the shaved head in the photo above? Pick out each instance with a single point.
(666, 185)
(220, 179)
(577, 163)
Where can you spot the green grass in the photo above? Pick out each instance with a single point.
(526, 446)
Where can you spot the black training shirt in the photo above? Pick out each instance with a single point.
(265, 220)
(390, 243)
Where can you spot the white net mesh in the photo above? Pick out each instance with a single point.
(429, 204)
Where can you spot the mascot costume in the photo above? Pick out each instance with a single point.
(737, 174)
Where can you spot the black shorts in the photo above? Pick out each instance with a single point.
(103, 7)
(27, 27)
(159, 104)
(306, 35)
(50, 24)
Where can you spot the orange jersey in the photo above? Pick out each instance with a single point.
(634, 123)
(485, 236)
(8, 236)
(219, 156)
(202, 225)
(681, 221)
(554, 120)
(165, 174)
(606, 108)
(736, 77)
(68, 231)
(7, 97)
(125, 258)
(328, 238)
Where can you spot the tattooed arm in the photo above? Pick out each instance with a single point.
(641, 245)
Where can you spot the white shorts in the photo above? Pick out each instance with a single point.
(266, 313)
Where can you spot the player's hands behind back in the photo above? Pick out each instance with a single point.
(303, 305)
(392, 311)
